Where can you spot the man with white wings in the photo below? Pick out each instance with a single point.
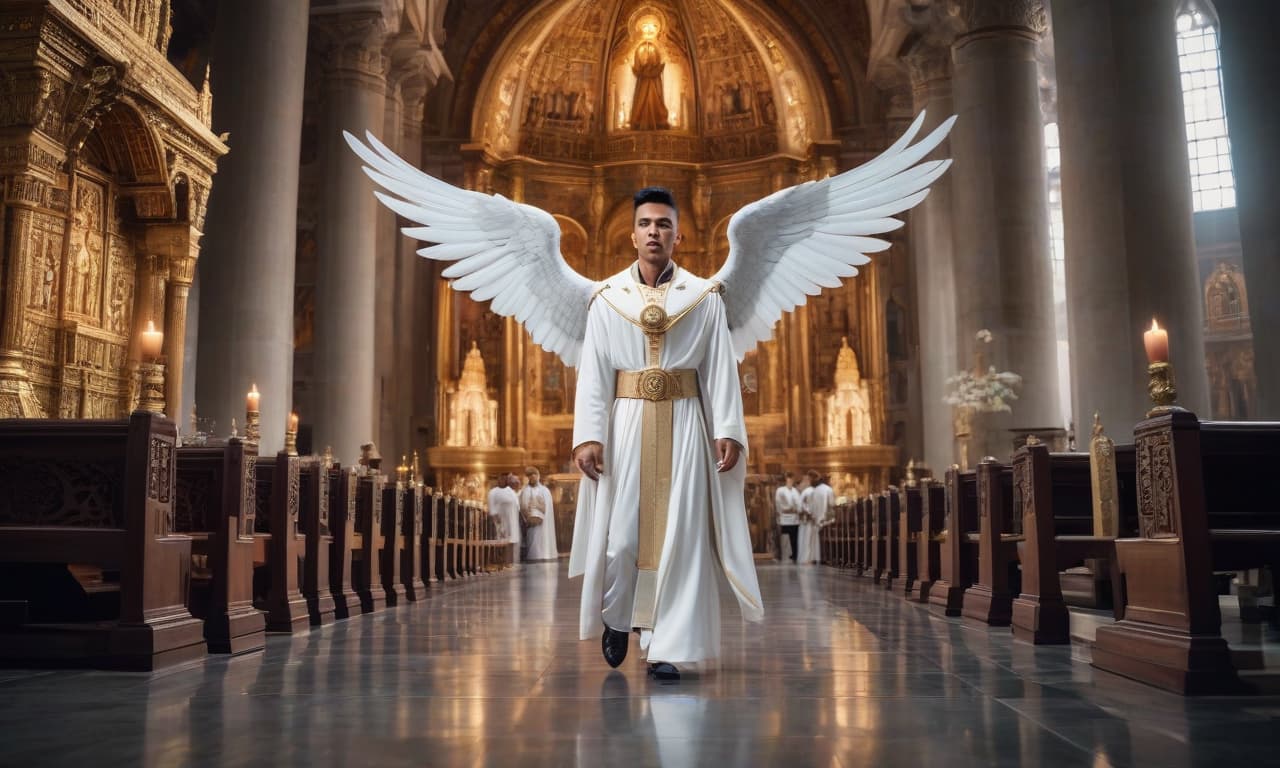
(658, 425)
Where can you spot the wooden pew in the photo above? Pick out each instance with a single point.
(214, 505)
(933, 516)
(98, 493)
(1053, 493)
(391, 542)
(990, 598)
(888, 507)
(909, 517)
(444, 539)
(433, 500)
(281, 546)
(366, 572)
(313, 521)
(1203, 505)
(958, 560)
(344, 484)
(861, 560)
(415, 505)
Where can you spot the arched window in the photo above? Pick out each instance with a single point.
(1208, 146)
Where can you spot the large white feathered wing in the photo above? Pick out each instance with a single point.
(799, 240)
(503, 252)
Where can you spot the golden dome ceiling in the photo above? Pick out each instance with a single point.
(675, 80)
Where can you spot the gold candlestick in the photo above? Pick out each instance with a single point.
(291, 435)
(252, 426)
(1161, 388)
(151, 389)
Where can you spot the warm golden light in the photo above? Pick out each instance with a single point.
(253, 399)
(152, 341)
(1156, 342)
(293, 422)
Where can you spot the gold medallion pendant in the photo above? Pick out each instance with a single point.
(653, 318)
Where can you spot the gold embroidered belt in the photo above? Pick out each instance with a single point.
(658, 388)
(656, 385)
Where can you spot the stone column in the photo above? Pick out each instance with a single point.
(1003, 271)
(1249, 62)
(1126, 195)
(929, 233)
(247, 272)
(346, 292)
(182, 270)
(413, 94)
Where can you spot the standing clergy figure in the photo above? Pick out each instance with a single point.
(659, 434)
(816, 500)
(786, 502)
(504, 506)
(539, 513)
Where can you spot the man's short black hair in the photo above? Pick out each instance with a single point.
(654, 195)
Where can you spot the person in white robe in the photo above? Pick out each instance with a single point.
(816, 501)
(660, 435)
(539, 513)
(658, 430)
(504, 507)
(786, 503)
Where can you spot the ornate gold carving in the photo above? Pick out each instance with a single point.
(1161, 388)
(1102, 472)
(653, 318)
(1155, 485)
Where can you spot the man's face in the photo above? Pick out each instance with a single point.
(655, 234)
(534, 477)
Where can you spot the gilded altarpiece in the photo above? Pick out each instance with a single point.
(106, 160)
(589, 100)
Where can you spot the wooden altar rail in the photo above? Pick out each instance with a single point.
(98, 493)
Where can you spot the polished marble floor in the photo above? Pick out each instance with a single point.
(489, 672)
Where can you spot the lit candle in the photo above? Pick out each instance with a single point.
(293, 422)
(251, 400)
(1156, 341)
(152, 341)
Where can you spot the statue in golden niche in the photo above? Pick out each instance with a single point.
(648, 108)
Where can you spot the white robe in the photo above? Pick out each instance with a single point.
(505, 506)
(699, 542)
(542, 538)
(816, 500)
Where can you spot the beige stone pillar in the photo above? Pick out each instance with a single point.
(247, 266)
(1126, 198)
(1000, 219)
(346, 291)
(929, 235)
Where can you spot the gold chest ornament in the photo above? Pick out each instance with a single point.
(653, 318)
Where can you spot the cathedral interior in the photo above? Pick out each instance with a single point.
(182, 222)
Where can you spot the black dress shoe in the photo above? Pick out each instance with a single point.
(614, 645)
(663, 671)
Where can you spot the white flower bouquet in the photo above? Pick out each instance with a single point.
(986, 391)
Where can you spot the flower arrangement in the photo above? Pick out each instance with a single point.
(986, 391)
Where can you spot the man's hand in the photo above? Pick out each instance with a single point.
(727, 453)
(590, 459)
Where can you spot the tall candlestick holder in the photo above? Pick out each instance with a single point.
(1161, 388)
(252, 426)
(151, 387)
(291, 438)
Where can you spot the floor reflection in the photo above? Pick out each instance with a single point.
(490, 672)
